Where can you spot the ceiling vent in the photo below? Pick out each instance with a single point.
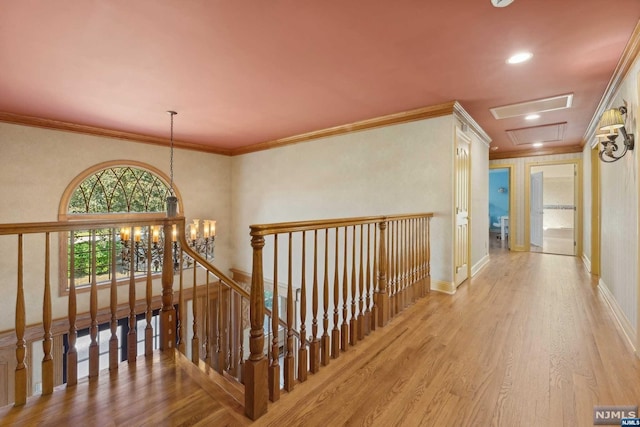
(544, 133)
(530, 107)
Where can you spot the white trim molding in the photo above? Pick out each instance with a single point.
(625, 326)
(587, 262)
(479, 265)
(442, 286)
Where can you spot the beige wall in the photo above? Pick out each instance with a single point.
(403, 168)
(619, 191)
(36, 165)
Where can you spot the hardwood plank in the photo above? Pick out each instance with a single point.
(528, 341)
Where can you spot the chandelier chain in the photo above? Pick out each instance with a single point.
(172, 113)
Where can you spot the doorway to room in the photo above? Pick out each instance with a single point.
(500, 205)
(552, 209)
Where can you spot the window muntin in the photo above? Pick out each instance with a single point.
(125, 190)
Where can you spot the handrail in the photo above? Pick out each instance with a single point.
(83, 224)
(205, 263)
(296, 226)
(62, 226)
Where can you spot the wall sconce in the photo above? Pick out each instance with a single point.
(612, 123)
(502, 190)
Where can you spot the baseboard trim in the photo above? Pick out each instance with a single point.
(587, 262)
(479, 265)
(442, 286)
(625, 326)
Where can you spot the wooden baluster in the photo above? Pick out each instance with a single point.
(94, 350)
(382, 299)
(324, 359)
(353, 325)
(113, 293)
(302, 351)
(289, 361)
(335, 332)
(207, 320)
(72, 352)
(241, 328)
(361, 330)
(416, 258)
(314, 347)
(412, 254)
(218, 362)
(21, 351)
(255, 369)
(148, 330)
(182, 310)
(222, 340)
(167, 311)
(47, 360)
(421, 255)
(393, 228)
(344, 328)
(195, 340)
(374, 277)
(367, 312)
(404, 259)
(399, 266)
(274, 367)
(428, 256)
(132, 337)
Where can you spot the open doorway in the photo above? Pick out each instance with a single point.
(552, 208)
(501, 205)
(499, 190)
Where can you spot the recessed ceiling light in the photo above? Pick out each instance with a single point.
(494, 148)
(501, 3)
(532, 117)
(520, 57)
(538, 144)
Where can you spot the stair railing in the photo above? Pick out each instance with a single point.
(352, 276)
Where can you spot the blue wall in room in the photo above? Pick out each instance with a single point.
(498, 202)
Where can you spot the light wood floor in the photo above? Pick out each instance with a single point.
(527, 342)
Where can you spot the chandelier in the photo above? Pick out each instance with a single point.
(134, 251)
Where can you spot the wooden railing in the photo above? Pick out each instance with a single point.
(352, 276)
(342, 279)
(215, 335)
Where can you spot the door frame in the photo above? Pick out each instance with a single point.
(578, 192)
(459, 133)
(512, 201)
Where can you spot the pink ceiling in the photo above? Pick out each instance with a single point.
(241, 73)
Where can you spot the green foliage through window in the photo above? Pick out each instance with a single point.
(118, 190)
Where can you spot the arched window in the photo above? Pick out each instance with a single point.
(122, 189)
(119, 189)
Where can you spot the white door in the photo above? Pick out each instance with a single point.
(536, 209)
(462, 197)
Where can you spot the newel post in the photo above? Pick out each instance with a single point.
(168, 312)
(255, 369)
(382, 297)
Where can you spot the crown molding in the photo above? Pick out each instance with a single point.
(629, 55)
(465, 118)
(532, 153)
(388, 120)
(108, 133)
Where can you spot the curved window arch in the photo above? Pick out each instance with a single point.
(115, 189)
